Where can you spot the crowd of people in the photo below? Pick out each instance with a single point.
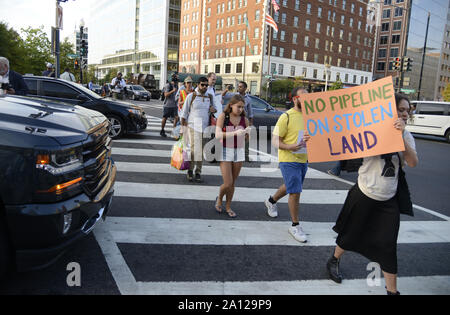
(369, 220)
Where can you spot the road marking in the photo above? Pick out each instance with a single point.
(253, 233)
(167, 154)
(165, 168)
(242, 194)
(107, 235)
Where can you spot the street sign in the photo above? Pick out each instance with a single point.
(408, 91)
(73, 56)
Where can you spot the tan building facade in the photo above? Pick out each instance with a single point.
(311, 34)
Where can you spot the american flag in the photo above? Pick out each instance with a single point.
(276, 7)
(270, 21)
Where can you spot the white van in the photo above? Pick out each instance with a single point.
(430, 118)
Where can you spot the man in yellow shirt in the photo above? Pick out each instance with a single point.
(290, 138)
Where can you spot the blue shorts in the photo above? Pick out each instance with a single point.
(294, 175)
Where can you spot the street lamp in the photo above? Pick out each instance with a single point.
(327, 73)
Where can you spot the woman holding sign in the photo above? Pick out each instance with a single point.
(370, 218)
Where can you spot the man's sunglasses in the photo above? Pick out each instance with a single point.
(203, 84)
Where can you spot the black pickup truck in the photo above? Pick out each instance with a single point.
(56, 179)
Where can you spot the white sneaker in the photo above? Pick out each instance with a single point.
(298, 234)
(272, 209)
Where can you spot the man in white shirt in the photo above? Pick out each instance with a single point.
(194, 121)
(118, 84)
(67, 75)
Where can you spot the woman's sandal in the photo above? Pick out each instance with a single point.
(231, 214)
(218, 208)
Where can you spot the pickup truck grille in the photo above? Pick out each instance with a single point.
(97, 160)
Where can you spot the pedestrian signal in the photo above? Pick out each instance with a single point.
(76, 64)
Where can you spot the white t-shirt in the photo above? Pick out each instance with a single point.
(197, 113)
(370, 180)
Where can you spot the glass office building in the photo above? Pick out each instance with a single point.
(401, 32)
(436, 65)
(139, 36)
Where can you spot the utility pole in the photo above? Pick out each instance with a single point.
(81, 54)
(423, 58)
(58, 26)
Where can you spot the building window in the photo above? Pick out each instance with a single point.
(228, 68)
(397, 26)
(293, 71)
(395, 39)
(280, 69)
(255, 67)
(394, 53)
(217, 69)
(398, 12)
(381, 66)
(239, 68)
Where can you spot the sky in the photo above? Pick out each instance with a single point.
(23, 13)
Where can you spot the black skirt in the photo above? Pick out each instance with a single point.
(370, 228)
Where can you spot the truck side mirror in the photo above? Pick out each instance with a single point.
(82, 98)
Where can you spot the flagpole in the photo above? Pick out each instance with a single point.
(268, 53)
(245, 46)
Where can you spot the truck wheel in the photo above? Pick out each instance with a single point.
(117, 126)
(447, 135)
(5, 254)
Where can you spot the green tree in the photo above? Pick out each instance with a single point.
(66, 48)
(36, 47)
(336, 86)
(110, 75)
(446, 93)
(10, 47)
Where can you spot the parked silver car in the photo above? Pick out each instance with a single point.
(137, 92)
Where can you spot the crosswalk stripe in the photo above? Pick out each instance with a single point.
(268, 172)
(167, 154)
(252, 233)
(146, 141)
(209, 193)
(409, 286)
(158, 128)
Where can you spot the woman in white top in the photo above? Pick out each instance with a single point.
(370, 218)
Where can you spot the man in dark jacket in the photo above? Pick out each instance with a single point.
(11, 81)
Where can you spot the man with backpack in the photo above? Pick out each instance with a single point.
(290, 138)
(195, 117)
(170, 108)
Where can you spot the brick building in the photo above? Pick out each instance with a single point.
(311, 35)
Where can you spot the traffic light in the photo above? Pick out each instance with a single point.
(407, 64)
(76, 64)
(397, 64)
(84, 48)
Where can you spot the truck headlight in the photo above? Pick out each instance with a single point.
(60, 162)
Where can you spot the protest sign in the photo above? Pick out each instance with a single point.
(352, 123)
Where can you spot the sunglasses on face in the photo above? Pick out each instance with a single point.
(203, 84)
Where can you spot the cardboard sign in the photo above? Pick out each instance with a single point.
(352, 123)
